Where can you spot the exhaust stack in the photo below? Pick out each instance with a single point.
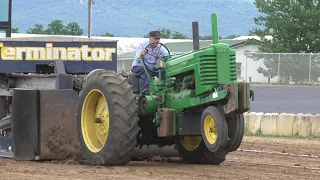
(195, 34)
(214, 23)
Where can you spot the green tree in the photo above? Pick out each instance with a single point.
(165, 33)
(56, 27)
(15, 30)
(73, 28)
(107, 34)
(293, 26)
(178, 35)
(38, 29)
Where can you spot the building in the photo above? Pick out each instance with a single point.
(246, 67)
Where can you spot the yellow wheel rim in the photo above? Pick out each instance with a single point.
(95, 120)
(210, 129)
(190, 143)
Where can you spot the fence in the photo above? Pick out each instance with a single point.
(269, 67)
(279, 67)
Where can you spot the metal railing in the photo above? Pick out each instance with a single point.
(279, 67)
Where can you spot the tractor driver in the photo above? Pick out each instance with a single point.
(150, 59)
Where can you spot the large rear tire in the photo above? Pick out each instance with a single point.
(107, 119)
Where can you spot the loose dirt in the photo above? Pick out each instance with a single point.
(257, 158)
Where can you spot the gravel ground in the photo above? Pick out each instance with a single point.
(257, 158)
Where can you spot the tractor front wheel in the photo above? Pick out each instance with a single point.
(214, 129)
(107, 119)
(210, 147)
(236, 131)
(193, 150)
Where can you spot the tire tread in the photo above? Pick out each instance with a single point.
(125, 128)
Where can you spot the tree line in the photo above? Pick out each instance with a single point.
(57, 27)
(294, 28)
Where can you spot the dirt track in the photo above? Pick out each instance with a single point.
(284, 159)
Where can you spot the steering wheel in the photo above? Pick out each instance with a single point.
(146, 48)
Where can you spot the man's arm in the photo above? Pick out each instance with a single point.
(139, 52)
(164, 51)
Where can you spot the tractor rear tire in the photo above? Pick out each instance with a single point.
(196, 152)
(107, 119)
(236, 131)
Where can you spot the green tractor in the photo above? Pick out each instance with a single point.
(198, 109)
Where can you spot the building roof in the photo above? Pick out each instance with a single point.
(251, 37)
(48, 38)
(186, 46)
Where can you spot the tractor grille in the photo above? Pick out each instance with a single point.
(233, 68)
(208, 70)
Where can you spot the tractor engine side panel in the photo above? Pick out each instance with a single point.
(211, 66)
(214, 65)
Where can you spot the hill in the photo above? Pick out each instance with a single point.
(135, 18)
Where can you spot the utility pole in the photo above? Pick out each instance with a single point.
(89, 17)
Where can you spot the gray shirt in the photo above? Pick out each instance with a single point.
(150, 58)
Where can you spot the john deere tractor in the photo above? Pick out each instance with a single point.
(198, 108)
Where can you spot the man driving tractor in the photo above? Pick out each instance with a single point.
(150, 56)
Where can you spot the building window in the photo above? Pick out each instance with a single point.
(238, 69)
